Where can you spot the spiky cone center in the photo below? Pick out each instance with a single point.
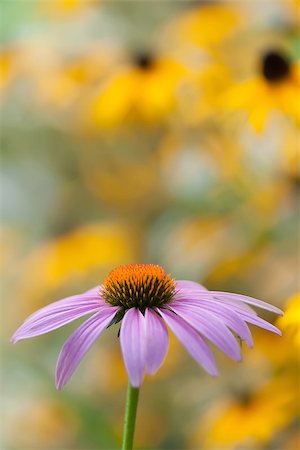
(138, 285)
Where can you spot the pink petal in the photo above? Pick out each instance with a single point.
(260, 323)
(191, 340)
(89, 297)
(133, 345)
(231, 319)
(189, 285)
(51, 322)
(244, 298)
(157, 341)
(208, 300)
(58, 314)
(211, 328)
(228, 297)
(80, 342)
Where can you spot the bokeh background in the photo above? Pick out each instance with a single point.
(155, 132)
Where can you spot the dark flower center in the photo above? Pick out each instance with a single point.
(243, 396)
(138, 285)
(144, 60)
(275, 66)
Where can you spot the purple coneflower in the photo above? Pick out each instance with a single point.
(147, 300)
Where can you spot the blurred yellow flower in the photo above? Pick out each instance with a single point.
(87, 251)
(200, 96)
(124, 180)
(186, 244)
(53, 77)
(7, 65)
(276, 88)
(145, 90)
(231, 265)
(250, 418)
(290, 322)
(205, 26)
(71, 77)
(290, 156)
(64, 8)
(276, 354)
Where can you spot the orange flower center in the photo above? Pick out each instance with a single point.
(138, 285)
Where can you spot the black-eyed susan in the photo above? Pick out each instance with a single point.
(144, 89)
(259, 414)
(275, 87)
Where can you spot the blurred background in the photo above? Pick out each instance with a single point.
(153, 132)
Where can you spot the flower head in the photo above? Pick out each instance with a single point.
(275, 84)
(138, 285)
(147, 300)
(144, 89)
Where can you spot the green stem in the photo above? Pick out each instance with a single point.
(130, 415)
